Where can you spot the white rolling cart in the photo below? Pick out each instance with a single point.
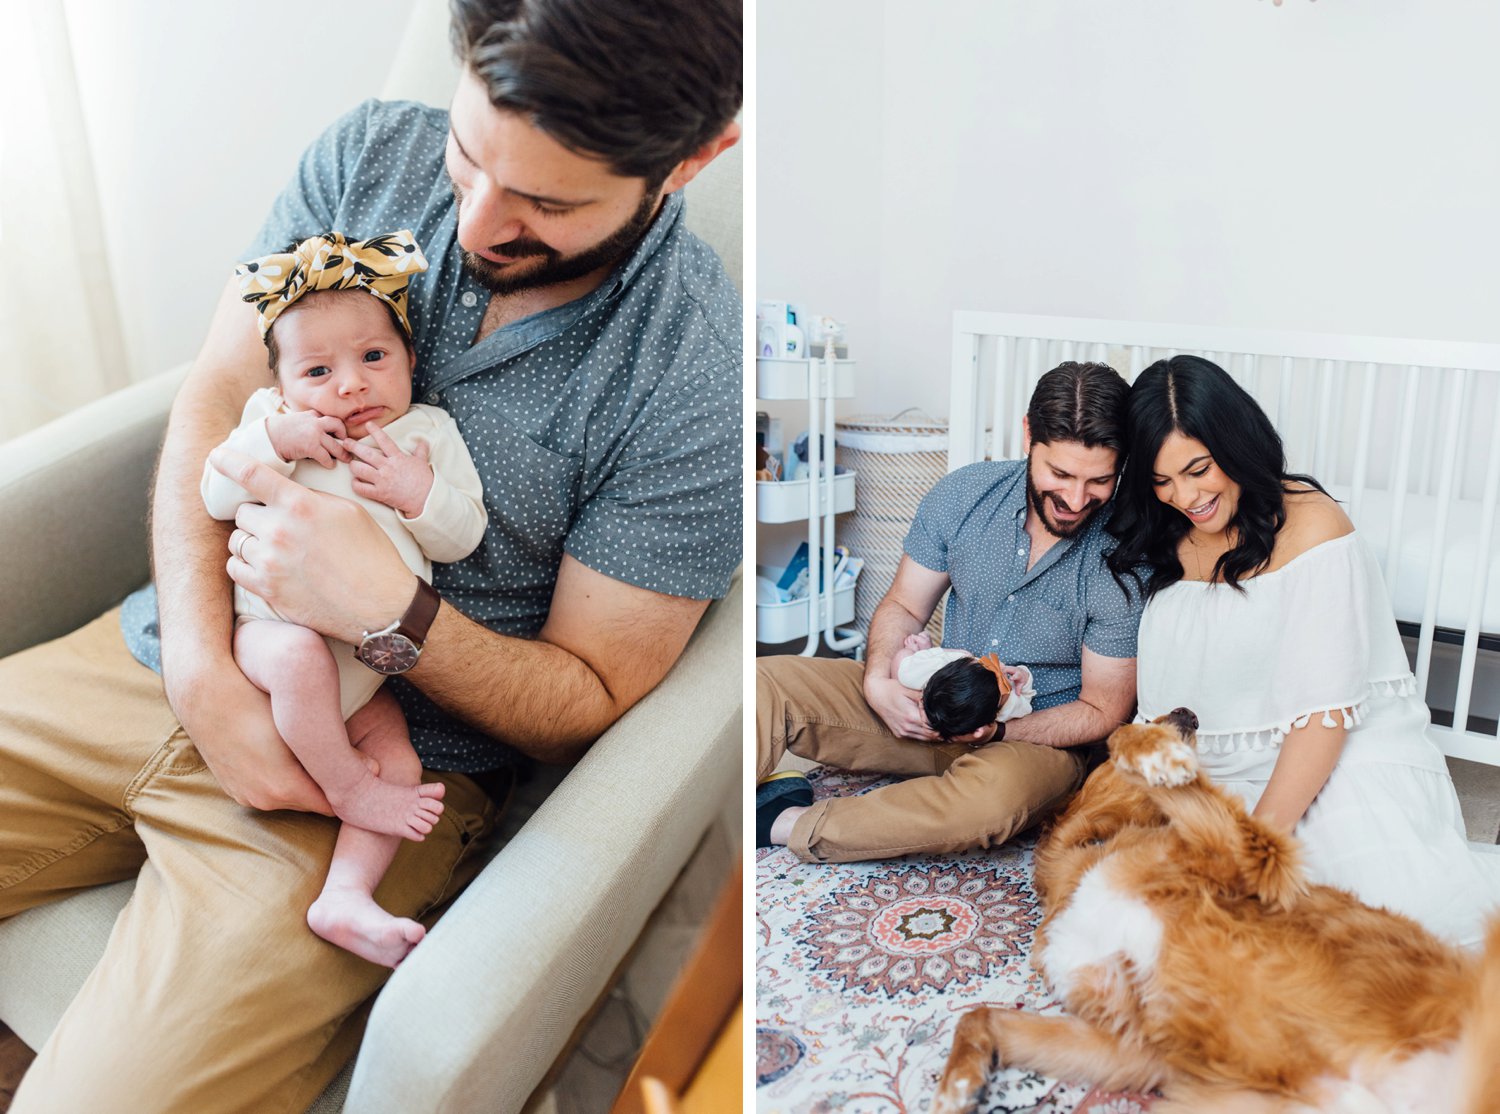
(816, 500)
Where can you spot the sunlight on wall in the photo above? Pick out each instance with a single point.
(163, 133)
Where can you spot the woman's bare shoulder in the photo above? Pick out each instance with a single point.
(1312, 518)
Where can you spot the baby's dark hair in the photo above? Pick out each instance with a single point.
(273, 351)
(960, 698)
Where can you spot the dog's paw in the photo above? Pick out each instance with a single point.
(955, 1097)
(1168, 764)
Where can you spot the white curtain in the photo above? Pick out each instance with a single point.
(61, 344)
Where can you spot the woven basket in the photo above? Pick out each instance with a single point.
(897, 459)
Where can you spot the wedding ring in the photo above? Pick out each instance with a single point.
(239, 550)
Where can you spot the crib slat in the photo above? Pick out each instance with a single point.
(1250, 374)
(1336, 425)
(999, 398)
(1284, 398)
(1431, 413)
(1035, 353)
(1470, 404)
(1479, 584)
(965, 422)
(1325, 423)
(1362, 443)
(1458, 388)
(1403, 474)
(1018, 397)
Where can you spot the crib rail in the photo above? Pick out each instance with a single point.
(1404, 432)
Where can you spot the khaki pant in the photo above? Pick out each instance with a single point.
(213, 994)
(955, 798)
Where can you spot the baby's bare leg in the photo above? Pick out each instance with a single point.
(346, 913)
(295, 668)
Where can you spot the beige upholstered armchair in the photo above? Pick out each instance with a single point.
(524, 953)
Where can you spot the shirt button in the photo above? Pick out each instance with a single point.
(469, 299)
(1010, 599)
(434, 398)
(1020, 553)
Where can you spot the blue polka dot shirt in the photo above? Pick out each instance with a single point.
(607, 428)
(972, 526)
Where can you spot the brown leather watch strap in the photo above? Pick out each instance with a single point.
(420, 615)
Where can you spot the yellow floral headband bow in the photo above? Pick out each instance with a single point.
(382, 265)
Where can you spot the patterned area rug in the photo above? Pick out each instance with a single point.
(862, 970)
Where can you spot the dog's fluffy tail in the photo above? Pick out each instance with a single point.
(1249, 857)
(1482, 1034)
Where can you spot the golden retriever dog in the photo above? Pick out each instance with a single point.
(1193, 955)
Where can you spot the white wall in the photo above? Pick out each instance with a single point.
(196, 114)
(1326, 166)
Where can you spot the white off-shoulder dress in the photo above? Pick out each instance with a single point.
(1317, 638)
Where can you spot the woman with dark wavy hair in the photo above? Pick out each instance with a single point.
(1266, 615)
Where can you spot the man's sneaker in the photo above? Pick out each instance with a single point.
(774, 796)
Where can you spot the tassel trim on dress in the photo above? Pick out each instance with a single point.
(1262, 738)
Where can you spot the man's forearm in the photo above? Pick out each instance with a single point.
(529, 693)
(194, 598)
(891, 624)
(1067, 725)
(187, 546)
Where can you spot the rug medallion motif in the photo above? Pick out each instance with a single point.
(862, 970)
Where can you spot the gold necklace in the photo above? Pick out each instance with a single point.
(1197, 549)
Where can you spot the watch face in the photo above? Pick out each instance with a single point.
(388, 653)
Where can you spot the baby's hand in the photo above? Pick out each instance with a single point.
(307, 435)
(386, 474)
(917, 642)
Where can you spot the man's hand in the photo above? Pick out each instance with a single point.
(307, 435)
(319, 560)
(897, 629)
(229, 720)
(899, 707)
(386, 474)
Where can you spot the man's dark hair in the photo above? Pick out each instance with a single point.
(961, 697)
(641, 84)
(1080, 402)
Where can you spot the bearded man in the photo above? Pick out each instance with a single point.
(1021, 545)
(588, 347)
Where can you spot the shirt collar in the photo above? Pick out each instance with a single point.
(512, 340)
(666, 220)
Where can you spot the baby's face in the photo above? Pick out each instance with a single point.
(341, 356)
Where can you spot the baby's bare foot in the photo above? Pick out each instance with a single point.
(352, 920)
(409, 811)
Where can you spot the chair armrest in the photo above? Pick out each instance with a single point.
(73, 500)
(478, 1013)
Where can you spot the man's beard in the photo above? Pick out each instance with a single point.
(510, 278)
(1041, 503)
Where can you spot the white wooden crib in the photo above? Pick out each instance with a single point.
(1403, 432)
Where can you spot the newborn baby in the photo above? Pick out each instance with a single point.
(963, 696)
